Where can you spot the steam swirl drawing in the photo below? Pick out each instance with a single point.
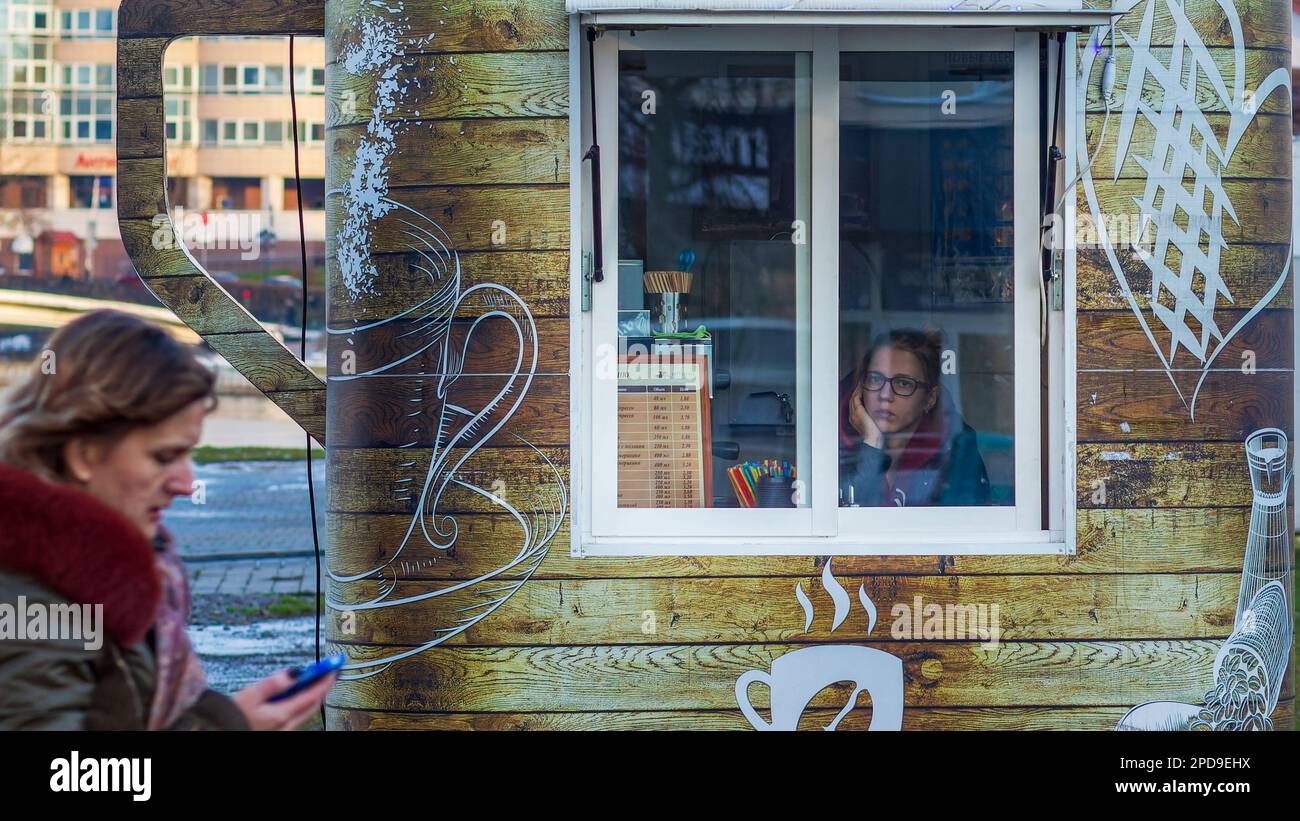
(424, 363)
(1187, 286)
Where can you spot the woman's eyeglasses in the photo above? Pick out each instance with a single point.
(900, 385)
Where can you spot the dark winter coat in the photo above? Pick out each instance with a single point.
(60, 546)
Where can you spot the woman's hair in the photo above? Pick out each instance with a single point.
(924, 345)
(101, 376)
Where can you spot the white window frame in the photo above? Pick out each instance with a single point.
(183, 119)
(74, 119)
(251, 88)
(822, 528)
(280, 88)
(239, 123)
(41, 108)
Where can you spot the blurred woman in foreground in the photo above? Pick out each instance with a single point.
(94, 445)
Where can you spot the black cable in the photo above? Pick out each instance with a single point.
(593, 154)
(302, 248)
(1054, 156)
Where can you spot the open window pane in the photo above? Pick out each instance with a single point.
(713, 279)
(927, 390)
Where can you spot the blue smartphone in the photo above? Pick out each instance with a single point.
(314, 673)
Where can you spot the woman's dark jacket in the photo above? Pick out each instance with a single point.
(941, 464)
(60, 546)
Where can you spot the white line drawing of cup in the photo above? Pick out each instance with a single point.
(798, 676)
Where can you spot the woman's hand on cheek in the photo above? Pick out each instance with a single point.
(263, 714)
(862, 421)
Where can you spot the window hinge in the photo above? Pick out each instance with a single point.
(576, 549)
(587, 273)
(1056, 284)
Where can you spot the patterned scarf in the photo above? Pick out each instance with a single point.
(179, 678)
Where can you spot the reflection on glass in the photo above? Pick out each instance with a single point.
(713, 203)
(926, 273)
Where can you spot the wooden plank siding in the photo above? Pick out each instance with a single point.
(915, 718)
(1138, 612)
(482, 137)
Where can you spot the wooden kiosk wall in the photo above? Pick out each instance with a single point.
(1138, 614)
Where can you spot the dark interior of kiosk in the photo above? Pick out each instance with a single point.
(713, 158)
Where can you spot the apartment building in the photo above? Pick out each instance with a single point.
(229, 144)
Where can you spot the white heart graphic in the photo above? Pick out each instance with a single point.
(1173, 157)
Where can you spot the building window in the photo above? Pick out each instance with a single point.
(309, 132)
(87, 23)
(313, 194)
(303, 75)
(210, 130)
(179, 120)
(820, 351)
(91, 191)
(229, 79)
(237, 193)
(30, 115)
(275, 79)
(211, 77)
(24, 192)
(273, 131)
(178, 191)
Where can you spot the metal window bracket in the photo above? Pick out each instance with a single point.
(1056, 283)
(588, 271)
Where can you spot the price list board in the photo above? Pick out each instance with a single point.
(663, 434)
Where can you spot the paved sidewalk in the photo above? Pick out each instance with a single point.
(254, 576)
(248, 507)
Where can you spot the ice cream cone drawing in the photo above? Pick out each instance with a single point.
(1249, 668)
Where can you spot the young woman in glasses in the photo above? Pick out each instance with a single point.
(901, 440)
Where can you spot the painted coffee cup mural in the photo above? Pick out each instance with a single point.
(798, 676)
(459, 214)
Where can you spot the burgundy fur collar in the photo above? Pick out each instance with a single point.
(81, 548)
